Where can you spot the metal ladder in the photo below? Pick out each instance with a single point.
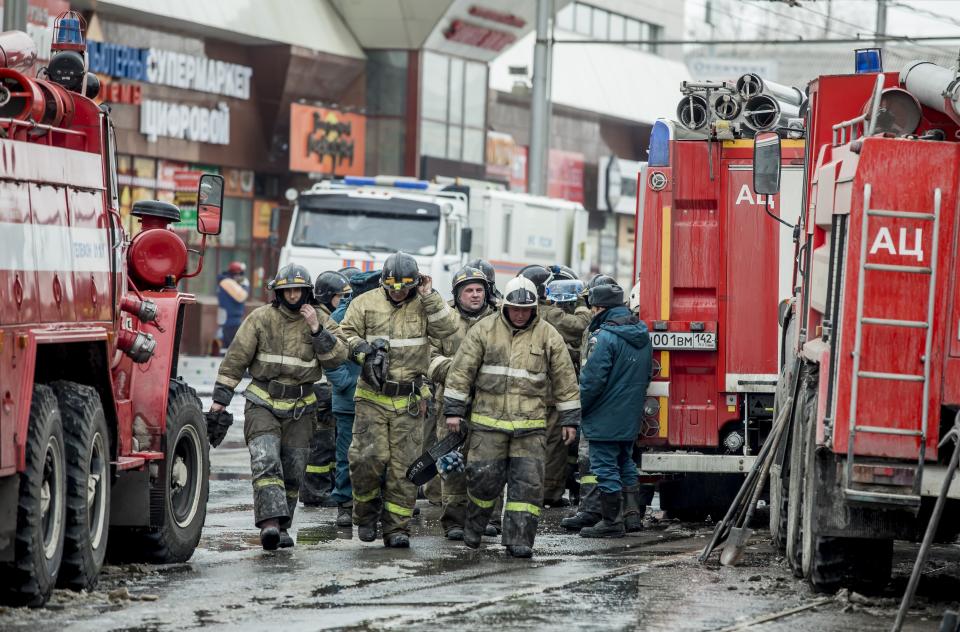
(858, 495)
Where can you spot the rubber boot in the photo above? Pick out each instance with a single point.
(491, 530)
(270, 534)
(580, 520)
(367, 532)
(611, 526)
(455, 533)
(471, 539)
(286, 541)
(344, 516)
(520, 551)
(633, 510)
(397, 541)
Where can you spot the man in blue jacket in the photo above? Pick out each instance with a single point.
(613, 388)
(343, 379)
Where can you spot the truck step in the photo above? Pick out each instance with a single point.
(894, 322)
(889, 431)
(881, 498)
(898, 377)
(889, 267)
(876, 212)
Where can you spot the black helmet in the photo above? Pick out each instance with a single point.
(400, 271)
(289, 276)
(561, 271)
(488, 271)
(465, 276)
(349, 271)
(539, 276)
(606, 295)
(328, 285)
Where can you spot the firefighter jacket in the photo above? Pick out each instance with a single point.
(406, 327)
(508, 372)
(570, 325)
(443, 350)
(276, 345)
(615, 375)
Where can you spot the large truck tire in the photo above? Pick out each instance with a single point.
(41, 508)
(780, 469)
(178, 498)
(88, 484)
(803, 430)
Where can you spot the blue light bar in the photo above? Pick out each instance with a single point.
(386, 181)
(659, 152)
(867, 60)
(68, 31)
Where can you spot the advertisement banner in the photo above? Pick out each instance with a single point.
(326, 141)
(262, 211)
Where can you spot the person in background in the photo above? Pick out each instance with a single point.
(233, 290)
(343, 379)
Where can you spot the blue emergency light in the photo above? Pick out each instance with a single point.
(867, 60)
(659, 153)
(386, 181)
(68, 31)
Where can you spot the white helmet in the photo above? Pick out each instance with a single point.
(520, 292)
(635, 298)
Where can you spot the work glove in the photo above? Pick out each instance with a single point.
(218, 422)
(374, 362)
(451, 462)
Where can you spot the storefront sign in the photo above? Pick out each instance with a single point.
(464, 32)
(719, 68)
(167, 68)
(238, 183)
(500, 154)
(115, 92)
(188, 122)
(497, 16)
(262, 213)
(565, 175)
(326, 141)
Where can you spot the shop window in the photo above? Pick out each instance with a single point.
(599, 27)
(601, 24)
(633, 32)
(581, 20)
(565, 18)
(454, 96)
(386, 110)
(617, 24)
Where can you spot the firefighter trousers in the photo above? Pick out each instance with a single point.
(498, 458)
(555, 460)
(385, 442)
(278, 457)
(432, 490)
(589, 494)
(454, 489)
(321, 464)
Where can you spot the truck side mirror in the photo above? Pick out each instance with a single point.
(466, 239)
(209, 204)
(766, 163)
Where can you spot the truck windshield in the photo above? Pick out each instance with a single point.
(388, 225)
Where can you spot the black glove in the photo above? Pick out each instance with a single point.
(323, 341)
(376, 364)
(218, 422)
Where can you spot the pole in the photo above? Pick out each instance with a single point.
(539, 104)
(881, 30)
(15, 15)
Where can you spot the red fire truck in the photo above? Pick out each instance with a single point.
(872, 375)
(711, 268)
(99, 441)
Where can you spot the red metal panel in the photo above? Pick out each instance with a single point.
(752, 277)
(18, 285)
(55, 286)
(91, 287)
(900, 295)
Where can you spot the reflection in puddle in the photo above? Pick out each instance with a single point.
(319, 534)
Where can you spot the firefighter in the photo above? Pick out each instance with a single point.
(571, 328)
(387, 331)
(493, 294)
(613, 387)
(318, 480)
(509, 362)
(344, 382)
(470, 291)
(588, 506)
(283, 345)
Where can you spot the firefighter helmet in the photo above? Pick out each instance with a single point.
(348, 272)
(328, 285)
(635, 299)
(400, 272)
(237, 267)
(564, 290)
(465, 276)
(290, 276)
(538, 275)
(561, 271)
(595, 280)
(492, 292)
(520, 292)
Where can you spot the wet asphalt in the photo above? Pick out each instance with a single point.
(330, 580)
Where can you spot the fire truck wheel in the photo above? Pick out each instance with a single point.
(41, 508)
(186, 481)
(800, 425)
(779, 470)
(88, 484)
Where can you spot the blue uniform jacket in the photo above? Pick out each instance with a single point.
(343, 379)
(614, 378)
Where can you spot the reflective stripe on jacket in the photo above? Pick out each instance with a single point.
(509, 371)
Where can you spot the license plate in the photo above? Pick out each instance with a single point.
(698, 340)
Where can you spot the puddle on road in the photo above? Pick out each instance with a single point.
(229, 476)
(321, 534)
